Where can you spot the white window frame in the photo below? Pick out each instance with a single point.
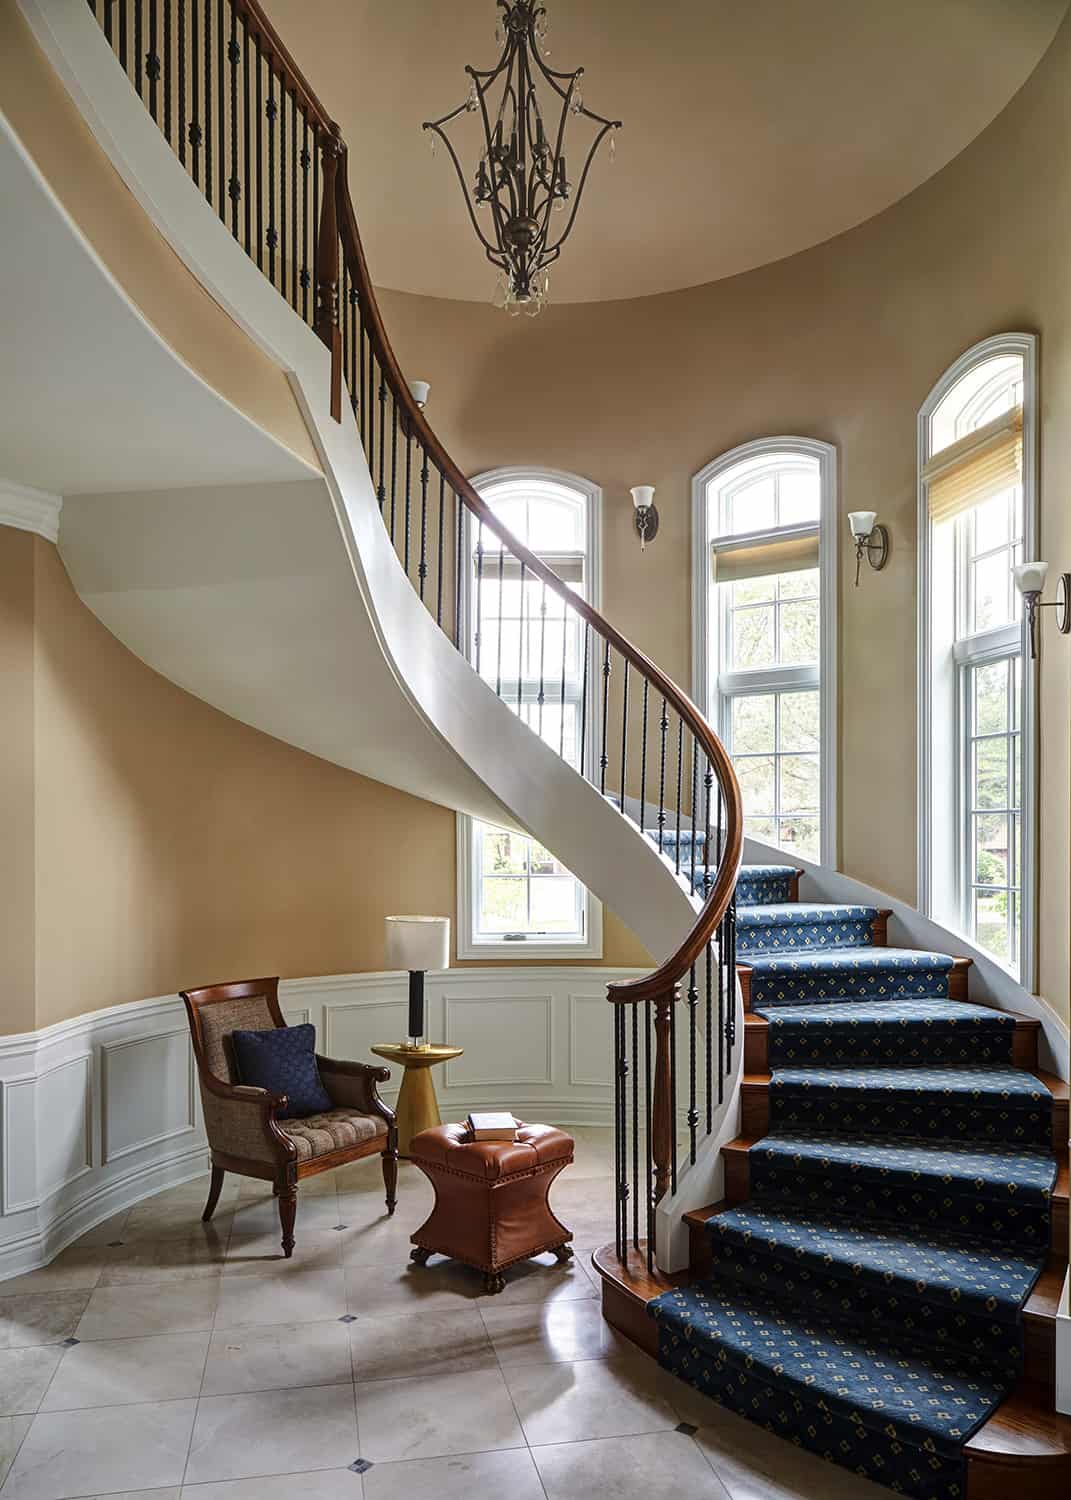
(952, 791)
(524, 948)
(706, 614)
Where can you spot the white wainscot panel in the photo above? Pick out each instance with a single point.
(589, 1040)
(20, 1143)
(64, 1123)
(351, 1029)
(506, 1040)
(147, 1091)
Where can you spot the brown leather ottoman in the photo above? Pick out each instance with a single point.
(491, 1206)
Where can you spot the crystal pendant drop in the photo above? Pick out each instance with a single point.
(472, 103)
(613, 145)
(576, 103)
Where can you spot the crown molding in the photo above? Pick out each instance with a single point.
(30, 510)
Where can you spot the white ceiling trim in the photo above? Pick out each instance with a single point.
(30, 510)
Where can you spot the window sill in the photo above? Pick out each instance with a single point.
(526, 949)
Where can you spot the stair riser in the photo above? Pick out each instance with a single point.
(957, 981)
(1024, 1049)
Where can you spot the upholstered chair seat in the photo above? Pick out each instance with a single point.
(248, 1129)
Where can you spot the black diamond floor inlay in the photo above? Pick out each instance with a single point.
(342, 1226)
(114, 1244)
(361, 1465)
(348, 1318)
(70, 1343)
(686, 1427)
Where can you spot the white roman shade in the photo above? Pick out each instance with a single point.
(732, 561)
(982, 464)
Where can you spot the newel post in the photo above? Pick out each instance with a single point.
(326, 324)
(663, 1104)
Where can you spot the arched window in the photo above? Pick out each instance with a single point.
(977, 519)
(515, 898)
(764, 649)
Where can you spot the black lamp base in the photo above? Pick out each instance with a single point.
(416, 1007)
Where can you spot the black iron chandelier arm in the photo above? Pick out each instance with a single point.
(578, 193)
(491, 249)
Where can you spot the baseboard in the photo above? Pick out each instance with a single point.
(102, 1110)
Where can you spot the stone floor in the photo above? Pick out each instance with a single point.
(159, 1357)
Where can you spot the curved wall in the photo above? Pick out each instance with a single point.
(840, 343)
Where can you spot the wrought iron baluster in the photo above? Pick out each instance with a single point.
(647, 1133)
(439, 579)
(583, 765)
(722, 1041)
(542, 649)
(259, 115)
(408, 491)
(624, 729)
(635, 1125)
(673, 1095)
(561, 698)
(294, 168)
(623, 1115)
(498, 642)
(381, 489)
(619, 1045)
(680, 788)
(272, 112)
(221, 99)
(356, 354)
(152, 60)
(458, 527)
(422, 566)
(306, 162)
(663, 727)
(108, 6)
(360, 359)
(282, 184)
(195, 132)
(166, 69)
(709, 1040)
(138, 44)
(208, 99)
(708, 782)
(730, 974)
(520, 646)
(643, 758)
(181, 54)
(234, 186)
(247, 154)
(693, 1113)
(122, 36)
(605, 718)
(393, 464)
(477, 641)
(694, 800)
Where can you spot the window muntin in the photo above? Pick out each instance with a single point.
(973, 826)
(769, 625)
(528, 646)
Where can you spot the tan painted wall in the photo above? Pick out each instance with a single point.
(16, 781)
(175, 846)
(169, 297)
(840, 343)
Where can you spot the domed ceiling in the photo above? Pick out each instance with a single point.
(751, 131)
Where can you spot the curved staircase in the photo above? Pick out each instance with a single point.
(879, 1284)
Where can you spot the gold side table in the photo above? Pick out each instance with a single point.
(417, 1107)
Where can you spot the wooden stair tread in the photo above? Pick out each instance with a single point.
(633, 1279)
(1044, 1300)
(1024, 1430)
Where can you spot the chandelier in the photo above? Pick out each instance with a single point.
(522, 189)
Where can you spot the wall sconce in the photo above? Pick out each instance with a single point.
(420, 390)
(1030, 581)
(871, 540)
(645, 516)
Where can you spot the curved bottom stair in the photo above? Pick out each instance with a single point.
(880, 1283)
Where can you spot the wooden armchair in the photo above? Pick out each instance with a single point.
(244, 1132)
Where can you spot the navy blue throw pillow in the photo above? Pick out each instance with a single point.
(283, 1061)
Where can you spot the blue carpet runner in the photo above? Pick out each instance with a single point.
(866, 1301)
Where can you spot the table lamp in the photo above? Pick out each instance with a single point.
(417, 944)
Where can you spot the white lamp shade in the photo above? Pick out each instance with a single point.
(642, 495)
(418, 943)
(862, 522)
(1030, 577)
(420, 390)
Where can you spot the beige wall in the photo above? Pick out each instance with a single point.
(169, 297)
(163, 843)
(840, 343)
(16, 781)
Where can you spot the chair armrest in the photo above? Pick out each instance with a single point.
(241, 1121)
(353, 1085)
